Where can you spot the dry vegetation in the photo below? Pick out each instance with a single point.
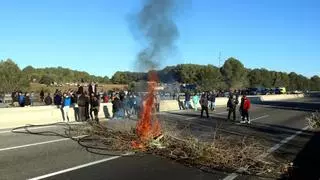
(313, 120)
(222, 152)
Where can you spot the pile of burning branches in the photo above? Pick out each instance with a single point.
(221, 152)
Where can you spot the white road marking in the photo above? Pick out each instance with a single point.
(29, 128)
(224, 112)
(42, 126)
(265, 116)
(271, 150)
(75, 168)
(39, 143)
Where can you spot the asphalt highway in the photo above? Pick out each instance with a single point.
(281, 125)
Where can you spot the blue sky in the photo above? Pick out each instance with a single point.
(94, 35)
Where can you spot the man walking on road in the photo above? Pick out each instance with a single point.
(245, 110)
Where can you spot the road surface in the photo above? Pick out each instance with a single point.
(281, 124)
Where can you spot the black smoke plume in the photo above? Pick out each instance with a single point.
(155, 27)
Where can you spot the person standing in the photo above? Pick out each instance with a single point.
(66, 103)
(48, 100)
(82, 107)
(27, 100)
(212, 101)
(180, 103)
(241, 106)
(42, 95)
(95, 107)
(204, 105)
(245, 110)
(74, 101)
(57, 98)
(231, 108)
(116, 107)
(87, 104)
(92, 88)
(157, 102)
(187, 100)
(21, 99)
(195, 100)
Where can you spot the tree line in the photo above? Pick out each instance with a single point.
(14, 78)
(232, 74)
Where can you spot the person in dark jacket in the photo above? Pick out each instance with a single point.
(42, 95)
(57, 99)
(92, 88)
(204, 105)
(95, 107)
(48, 100)
(82, 107)
(117, 107)
(212, 101)
(231, 108)
(87, 103)
(180, 102)
(27, 99)
(80, 89)
(241, 106)
(74, 102)
(187, 100)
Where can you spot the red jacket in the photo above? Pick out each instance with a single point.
(246, 104)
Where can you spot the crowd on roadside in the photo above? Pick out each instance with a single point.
(207, 101)
(86, 103)
(22, 99)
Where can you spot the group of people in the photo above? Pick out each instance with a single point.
(207, 101)
(127, 104)
(210, 98)
(243, 109)
(86, 104)
(22, 99)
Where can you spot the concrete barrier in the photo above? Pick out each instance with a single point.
(280, 97)
(13, 117)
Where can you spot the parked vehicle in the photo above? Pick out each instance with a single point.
(281, 90)
(257, 91)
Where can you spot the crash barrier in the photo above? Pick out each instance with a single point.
(13, 117)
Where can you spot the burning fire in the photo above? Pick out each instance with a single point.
(148, 126)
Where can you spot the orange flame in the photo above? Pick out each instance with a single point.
(148, 126)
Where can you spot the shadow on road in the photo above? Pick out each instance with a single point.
(307, 162)
(269, 132)
(311, 104)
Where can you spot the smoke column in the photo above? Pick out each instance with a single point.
(155, 27)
